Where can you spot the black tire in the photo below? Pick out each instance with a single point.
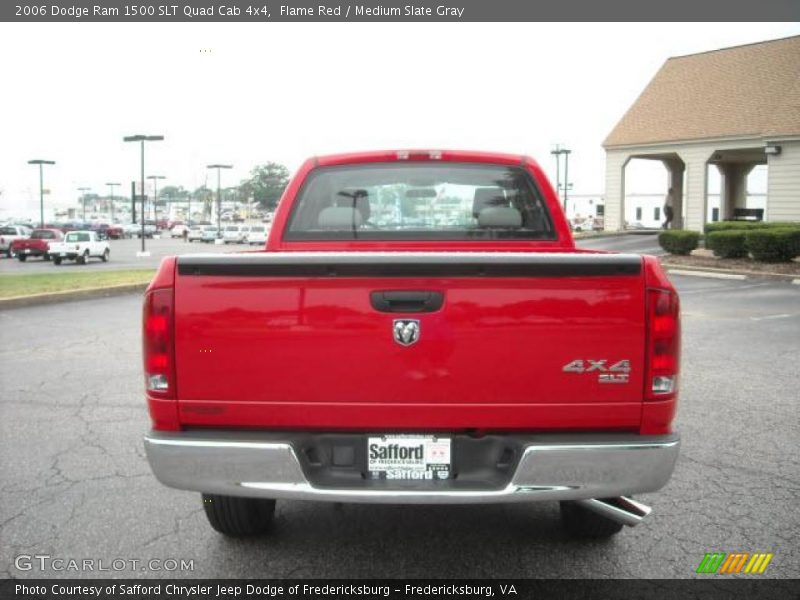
(105, 256)
(46, 256)
(57, 261)
(10, 253)
(584, 523)
(238, 517)
(22, 257)
(83, 259)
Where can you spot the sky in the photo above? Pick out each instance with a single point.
(245, 94)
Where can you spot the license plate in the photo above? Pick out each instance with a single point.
(27, 250)
(409, 457)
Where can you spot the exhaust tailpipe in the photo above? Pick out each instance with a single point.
(622, 510)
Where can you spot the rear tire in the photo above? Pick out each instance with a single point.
(10, 253)
(84, 258)
(46, 257)
(238, 517)
(22, 257)
(105, 256)
(57, 261)
(584, 523)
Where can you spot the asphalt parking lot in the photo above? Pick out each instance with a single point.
(123, 252)
(123, 256)
(75, 483)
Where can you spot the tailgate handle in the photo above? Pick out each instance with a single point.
(405, 301)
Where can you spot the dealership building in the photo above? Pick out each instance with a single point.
(729, 110)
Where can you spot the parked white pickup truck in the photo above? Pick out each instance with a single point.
(80, 246)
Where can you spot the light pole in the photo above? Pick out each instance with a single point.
(142, 139)
(557, 153)
(83, 201)
(41, 162)
(155, 179)
(219, 194)
(111, 190)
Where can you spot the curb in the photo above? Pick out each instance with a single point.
(84, 294)
(578, 235)
(740, 275)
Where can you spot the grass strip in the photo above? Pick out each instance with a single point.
(12, 285)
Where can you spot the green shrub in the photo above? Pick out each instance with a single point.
(728, 243)
(746, 226)
(749, 225)
(794, 241)
(773, 245)
(678, 241)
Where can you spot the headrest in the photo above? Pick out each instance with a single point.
(486, 197)
(347, 196)
(339, 217)
(499, 216)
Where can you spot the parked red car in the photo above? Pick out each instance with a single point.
(419, 329)
(108, 230)
(37, 245)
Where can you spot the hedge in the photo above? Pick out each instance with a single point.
(728, 244)
(678, 241)
(773, 245)
(749, 225)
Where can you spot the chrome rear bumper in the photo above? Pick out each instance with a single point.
(555, 467)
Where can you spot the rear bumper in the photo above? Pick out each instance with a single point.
(551, 467)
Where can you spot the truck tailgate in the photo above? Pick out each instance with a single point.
(521, 341)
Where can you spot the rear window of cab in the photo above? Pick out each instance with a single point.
(419, 201)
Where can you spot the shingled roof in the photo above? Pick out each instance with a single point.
(745, 91)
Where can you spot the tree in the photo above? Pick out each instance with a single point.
(205, 196)
(171, 193)
(266, 184)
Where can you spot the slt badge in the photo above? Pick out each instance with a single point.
(406, 331)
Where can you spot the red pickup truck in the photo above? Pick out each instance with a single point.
(36, 245)
(420, 328)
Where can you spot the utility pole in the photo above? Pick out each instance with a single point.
(111, 191)
(41, 162)
(155, 179)
(219, 195)
(84, 190)
(557, 152)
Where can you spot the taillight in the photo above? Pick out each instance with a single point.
(663, 344)
(158, 343)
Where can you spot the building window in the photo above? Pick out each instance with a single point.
(657, 213)
(638, 213)
(715, 214)
(601, 210)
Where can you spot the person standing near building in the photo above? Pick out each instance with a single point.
(669, 204)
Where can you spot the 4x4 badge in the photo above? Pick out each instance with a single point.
(405, 331)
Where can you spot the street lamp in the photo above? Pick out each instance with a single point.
(557, 153)
(41, 162)
(111, 190)
(155, 179)
(142, 139)
(84, 190)
(219, 194)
